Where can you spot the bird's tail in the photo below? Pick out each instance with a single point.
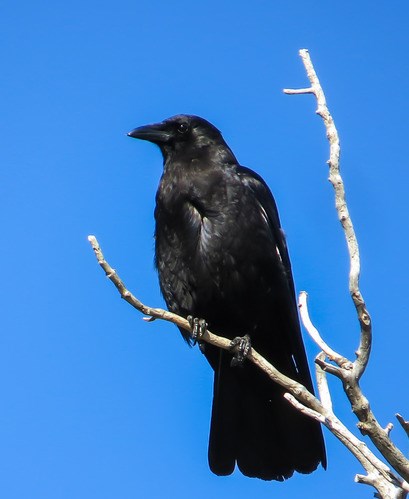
(254, 426)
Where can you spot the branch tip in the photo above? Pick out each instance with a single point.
(403, 423)
(149, 319)
(315, 335)
(388, 428)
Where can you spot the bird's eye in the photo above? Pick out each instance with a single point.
(183, 128)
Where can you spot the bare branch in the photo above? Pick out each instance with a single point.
(388, 428)
(368, 424)
(329, 368)
(153, 313)
(403, 423)
(379, 475)
(385, 491)
(343, 215)
(298, 91)
(315, 335)
(304, 409)
(322, 383)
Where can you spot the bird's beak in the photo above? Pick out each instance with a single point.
(154, 133)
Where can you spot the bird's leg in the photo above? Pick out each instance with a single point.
(198, 327)
(240, 347)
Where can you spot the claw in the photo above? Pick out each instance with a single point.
(198, 327)
(240, 347)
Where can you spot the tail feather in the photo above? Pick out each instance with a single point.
(254, 426)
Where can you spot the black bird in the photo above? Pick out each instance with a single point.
(222, 256)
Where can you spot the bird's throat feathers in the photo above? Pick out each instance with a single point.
(202, 155)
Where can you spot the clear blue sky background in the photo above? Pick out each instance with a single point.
(95, 403)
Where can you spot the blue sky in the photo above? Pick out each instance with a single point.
(95, 402)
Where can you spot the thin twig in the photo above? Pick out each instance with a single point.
(388, 428)
(298, 91)
(152, 313)
(329, 368)
(315, 335)
(304, 409)
(322, 383)
(403, 423)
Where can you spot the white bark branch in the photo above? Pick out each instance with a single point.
(322, 383)
(343, 214)
(348, 372)
(315, 335)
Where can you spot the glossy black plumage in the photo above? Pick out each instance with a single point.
(221, 255)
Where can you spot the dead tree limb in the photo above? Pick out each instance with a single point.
(335, 178)
(348, 372)
(403, 423)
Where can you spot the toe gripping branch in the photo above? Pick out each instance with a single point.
(240, 348)
(198, 327)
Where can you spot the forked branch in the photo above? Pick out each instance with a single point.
(335, 178)
(348, 372)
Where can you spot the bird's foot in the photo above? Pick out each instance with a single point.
(198, 327)
(240, 347)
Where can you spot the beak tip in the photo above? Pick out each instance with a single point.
(151, 133)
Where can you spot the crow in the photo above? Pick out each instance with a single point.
(221, 256)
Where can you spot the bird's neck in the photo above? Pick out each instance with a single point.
(205, 155)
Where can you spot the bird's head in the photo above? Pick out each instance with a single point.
(183, 134)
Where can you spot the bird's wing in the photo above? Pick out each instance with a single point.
(268, 205)
(270, 213)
